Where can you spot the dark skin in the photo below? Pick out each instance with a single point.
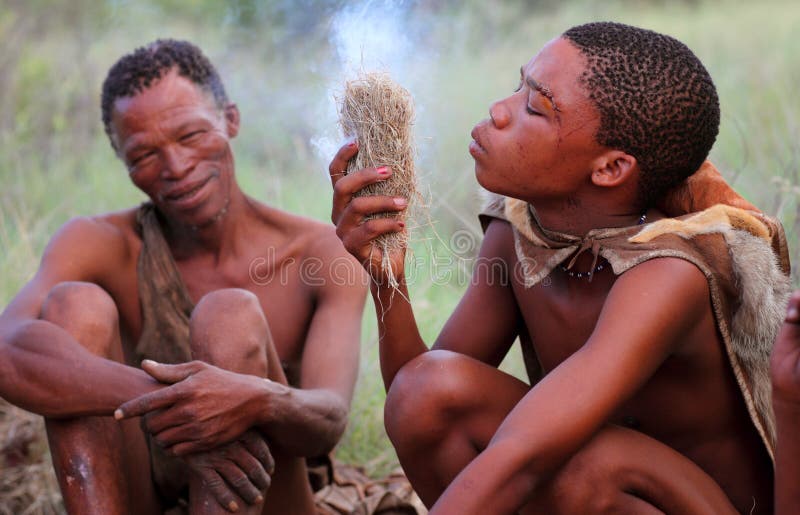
(642, 348)
(176, 144)
(785, 367)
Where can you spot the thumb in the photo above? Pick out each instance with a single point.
(169, 374)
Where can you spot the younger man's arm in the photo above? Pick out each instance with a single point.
(486, 321)
(786, 402)
(646, 316)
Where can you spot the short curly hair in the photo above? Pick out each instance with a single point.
(656, 100)
(137, 71)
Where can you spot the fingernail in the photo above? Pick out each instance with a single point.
(401, 224)
(792, 313)
(233, 506)
(148, 362)
(352, 143)
(383, 170)
(400, 201)
(118, 414)
(259, 499)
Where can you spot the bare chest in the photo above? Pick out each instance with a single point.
(286, 299)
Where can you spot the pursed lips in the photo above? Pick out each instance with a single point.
(476, 137)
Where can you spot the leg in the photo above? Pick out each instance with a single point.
(102, 466)
(218, 317)
(443, 409)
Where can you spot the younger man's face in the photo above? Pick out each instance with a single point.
(175, 143)
(539, 142)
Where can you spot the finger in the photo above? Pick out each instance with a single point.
(190, 447)
(345, 187)
(250, 465)
(340, 161)
(238, 480)
(258, 447)
(214, 483)
(362, 207)
(161, 420)
(148, 402)
(358, 241)
(170, 374)
(176, 435)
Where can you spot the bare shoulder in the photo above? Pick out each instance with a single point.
(660, 292)
(498, 240)
(314, 238)
(98, 242)
(666, 274)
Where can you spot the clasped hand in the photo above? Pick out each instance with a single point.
(204, 406)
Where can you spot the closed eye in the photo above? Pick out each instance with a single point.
(191, 135)
(141, 157)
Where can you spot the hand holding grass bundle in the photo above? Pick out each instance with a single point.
(378, 113)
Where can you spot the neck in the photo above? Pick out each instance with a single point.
(217, 237)
(578, 217)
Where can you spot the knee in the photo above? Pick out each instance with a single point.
(223, 314)
(592, 481)
(425, 398)
(85, 311)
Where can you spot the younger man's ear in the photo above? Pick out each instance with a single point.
(232, 119)
(614, 168)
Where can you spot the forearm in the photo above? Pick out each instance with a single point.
(498, 481)
(44, 370)
(399, 338)
(787, 458)
(302, 422)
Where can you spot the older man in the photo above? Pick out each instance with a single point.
(259, 311)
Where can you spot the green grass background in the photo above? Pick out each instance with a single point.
(278, 65)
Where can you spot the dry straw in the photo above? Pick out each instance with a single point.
(27, 483)
(379, 113)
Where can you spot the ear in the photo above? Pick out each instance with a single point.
(614, 168)
(232, 120)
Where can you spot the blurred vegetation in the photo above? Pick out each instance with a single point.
(278, 65)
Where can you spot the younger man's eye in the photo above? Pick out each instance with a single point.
(532, 111)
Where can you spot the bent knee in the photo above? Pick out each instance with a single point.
(426, 396)
(87, 312)
(229, 306)
(225, 314)
(596, 478)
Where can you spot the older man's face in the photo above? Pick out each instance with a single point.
(176, 145)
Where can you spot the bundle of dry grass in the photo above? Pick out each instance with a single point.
(379, 113)
(27, 482)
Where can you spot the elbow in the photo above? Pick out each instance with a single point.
(336, 419)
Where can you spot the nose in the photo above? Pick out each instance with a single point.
(500, 114)
(177, 162)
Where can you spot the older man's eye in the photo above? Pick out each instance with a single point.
(191, 136)
(519, 86)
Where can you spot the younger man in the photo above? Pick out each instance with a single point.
(646, 338)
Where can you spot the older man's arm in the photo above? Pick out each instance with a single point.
(207, 406)
(43, 369)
